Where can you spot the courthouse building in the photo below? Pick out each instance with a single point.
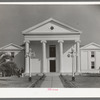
(53, 47)
(51, 41)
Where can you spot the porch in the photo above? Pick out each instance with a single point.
(50, 56)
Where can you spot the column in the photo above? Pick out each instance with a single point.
(61, 54)
(77, 56)
(44, 55)
(27, 57)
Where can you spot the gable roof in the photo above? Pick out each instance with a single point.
(11, 46)
(92, 45)
(66, 28)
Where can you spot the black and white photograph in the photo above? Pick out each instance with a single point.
(50, 46)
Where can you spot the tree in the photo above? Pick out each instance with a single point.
(2, 59)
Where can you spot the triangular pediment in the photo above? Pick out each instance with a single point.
(50, 26)
(11, 46)
(91, 46)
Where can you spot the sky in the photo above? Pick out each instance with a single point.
(16, 18)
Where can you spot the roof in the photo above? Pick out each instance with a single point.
(11, 46)
(91, 46)
(45, 27)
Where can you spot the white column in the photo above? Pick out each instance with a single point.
(77, 56)
(61, 54)
(27, 56)
(44, 55)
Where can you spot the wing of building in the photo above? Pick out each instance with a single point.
(16, 51)
(90, 58)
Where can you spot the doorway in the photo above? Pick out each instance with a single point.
(52, 57)
(52, 66)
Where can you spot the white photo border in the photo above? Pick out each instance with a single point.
(45, 92)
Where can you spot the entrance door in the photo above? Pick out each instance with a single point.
(52, 66)
(52, 57)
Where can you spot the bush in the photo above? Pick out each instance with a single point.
(9, 68)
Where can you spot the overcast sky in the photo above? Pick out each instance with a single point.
(16, 18)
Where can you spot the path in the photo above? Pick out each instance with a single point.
(52, 82)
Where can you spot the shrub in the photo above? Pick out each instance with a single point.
(9, 68)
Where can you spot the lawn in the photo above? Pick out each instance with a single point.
(84, 81)
(15, 82)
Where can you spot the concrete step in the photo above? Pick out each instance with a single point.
(52, 74)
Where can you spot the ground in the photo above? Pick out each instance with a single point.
(81, 81)
(84, 81)
(16, 82)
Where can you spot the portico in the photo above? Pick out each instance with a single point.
(51, 41)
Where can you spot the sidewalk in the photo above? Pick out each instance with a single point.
(52, 82)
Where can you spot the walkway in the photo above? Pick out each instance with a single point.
(52, 82)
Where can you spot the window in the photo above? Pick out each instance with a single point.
(92, 65)
(52, 51)
(92, 54)
(12, 54)
(51, 27)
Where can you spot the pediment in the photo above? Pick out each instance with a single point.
(11, 46)
(91, 46)
(50, 26)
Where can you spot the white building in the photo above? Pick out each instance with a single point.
(48, 49)
(51, 41)
(90, 58)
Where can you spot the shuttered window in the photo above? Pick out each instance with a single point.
(92, 54)
(92, 65)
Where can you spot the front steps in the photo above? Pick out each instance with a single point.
(52, 74)
(49, 74)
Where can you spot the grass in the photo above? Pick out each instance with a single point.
(40, 82)
(15, 82)
(84, 81)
